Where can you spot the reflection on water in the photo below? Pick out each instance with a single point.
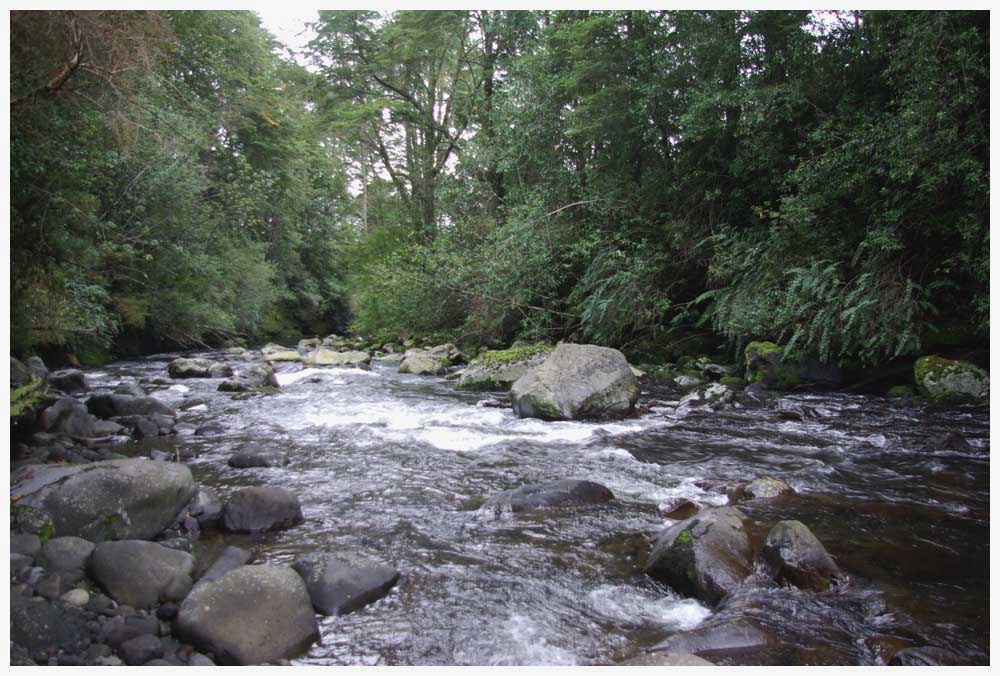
(395, 467)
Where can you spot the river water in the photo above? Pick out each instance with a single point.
(394, 468)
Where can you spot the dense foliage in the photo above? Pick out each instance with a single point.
(620, 177)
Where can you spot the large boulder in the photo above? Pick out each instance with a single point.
(796, 557)
(321, 357)
(422, 363)
(307, 345)
(251, 615)
(577, 381)
(68, 416)
(250, 377)
(261, 508)
(19, 374)
(142, 574)
(946, 380)
(564, 493)
(117, 405)
(337, 586)
(69, 381)
(198, 367)
(705, 556)
(767, 364)
(500, 369)
(760, 489)
(131, 498)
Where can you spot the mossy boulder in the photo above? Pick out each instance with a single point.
(899, 391)
(765, 364)
(574, 382)
(949, 380)
(733, 381)
(322, 357)
(498, 370)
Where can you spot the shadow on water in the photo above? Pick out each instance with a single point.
(396, 468)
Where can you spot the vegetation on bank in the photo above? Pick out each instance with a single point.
(627, 178)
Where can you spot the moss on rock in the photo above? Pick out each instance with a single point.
(945, 380)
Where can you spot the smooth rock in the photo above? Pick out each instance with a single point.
(252, 615)
(230, 559)
(133, 498)
(337, 586)
(140, 649)
(500, 369)
(705, 556)
(198, 367)
(577, 381)
(130, 389)
(759, 489)
(76, 597)
(69, 381)
(117, 405)
(798, 558)
(205, 507)
(142, 574)
(564, 493)
(321, 357)
(261, 508)
(25, 543)
(67, 555)
(250, 377)
(667, 660)
(258, 458)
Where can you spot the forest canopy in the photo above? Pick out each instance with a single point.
(819, 179)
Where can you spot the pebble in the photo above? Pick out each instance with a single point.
(76, 597)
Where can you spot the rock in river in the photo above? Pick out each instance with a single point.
(564, 493)
(706, 556)
(252, 615)
(798, 558)
(261, 508)
(338, 587)
(577, 381)
(947, 380)
(198, 367)
(500, 369)
(131, 498)
(142, 574)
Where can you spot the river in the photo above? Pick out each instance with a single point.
(395, 468)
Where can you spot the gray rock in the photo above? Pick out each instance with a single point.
(261, 508)
(198, 367)
(252, 615)
(230, 559)
(69, 381)
(19, 563)
(759, 489)
(705, 556)
(421, 363)
(307, 345)
(667, 660)
(927, 656)
(321, 357)
(206, 508)
(122, 628)
(199, 660)
(141, 649)
(728, 637)
(564, 493)
(117, 405)
(67, 555)
(19, 374)
(338, 587)
(257, 457)
(76, 597)
(133, 498)
(130, 389)
(577, 381)
(25, 543)
(798, 558)
(37, 367)
(210, 429)
(499, 370)
(67, 416)
(949, 380)
(41, 626)
(144, 428)
(714, 396)
(141, 574)
(50, 586)
(250, 377)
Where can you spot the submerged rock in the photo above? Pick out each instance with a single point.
(667, 660)
(499, 369)
(142, 574)
(251, 615)
(121, 405)
(705, 556)
(948, 380)
(799, 559)
(716, 638)
(338, 587)
(261, 508)
(577, 381)
(257, 457)
(759, 489)
(564, 493)
(230, 559)
(131, 498)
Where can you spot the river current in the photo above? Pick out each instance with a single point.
(394, 468)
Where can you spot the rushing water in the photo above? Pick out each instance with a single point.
(394, 468)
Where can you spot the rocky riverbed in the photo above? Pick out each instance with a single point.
(245, 508)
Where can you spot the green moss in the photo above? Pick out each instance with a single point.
(513, 354)
(26, 397)
(947, 379)
(760, 349)
(46, 532)
(732, 381)
(684, 537)
(899, 391)
(94, 358)
(932, 366)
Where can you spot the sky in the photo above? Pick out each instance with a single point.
(288, 25)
